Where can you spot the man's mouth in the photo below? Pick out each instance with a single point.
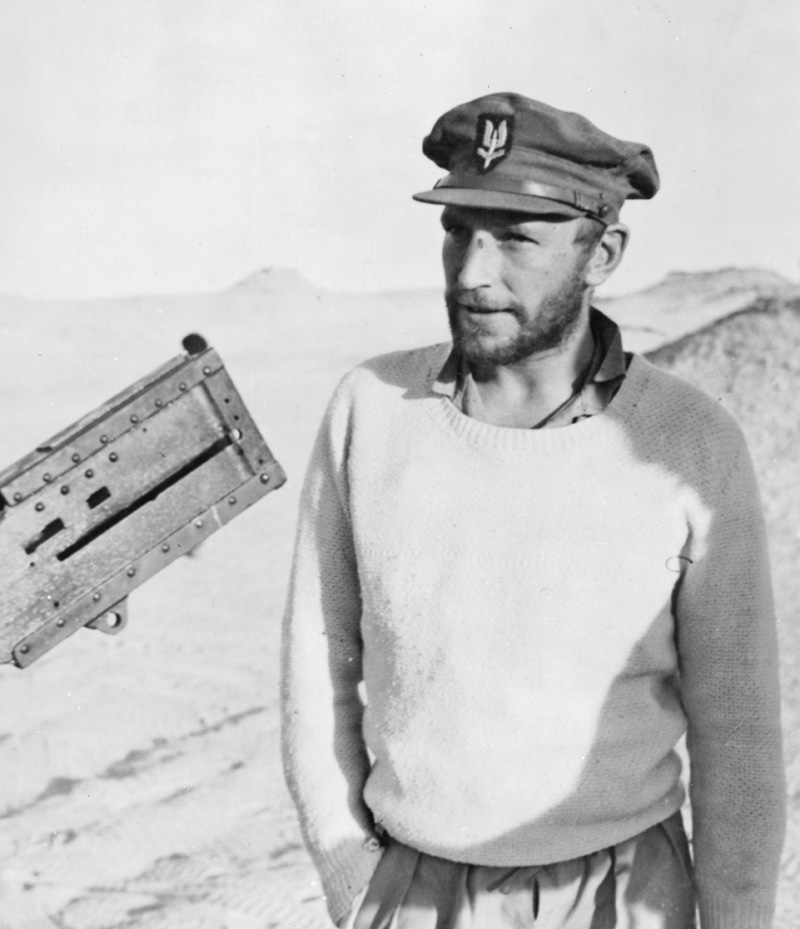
(483, 310)
(477, 314)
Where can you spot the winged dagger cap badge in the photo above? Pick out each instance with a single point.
(492, 140)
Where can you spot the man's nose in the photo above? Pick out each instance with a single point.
(478, 262)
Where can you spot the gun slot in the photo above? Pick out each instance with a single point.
(95, 499)
(149, 497)
(51, 529)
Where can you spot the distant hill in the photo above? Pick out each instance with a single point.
(275, 279)
(680, 304)
(688, 302)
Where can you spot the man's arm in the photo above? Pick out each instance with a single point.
(729, 680)
(325, 759)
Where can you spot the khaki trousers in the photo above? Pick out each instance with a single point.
(642, 883)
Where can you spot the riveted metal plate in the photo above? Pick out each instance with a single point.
(110, 501)
(68, 450)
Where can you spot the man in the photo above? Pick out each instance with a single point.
(526, 564)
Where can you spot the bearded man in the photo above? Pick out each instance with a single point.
(527, 563)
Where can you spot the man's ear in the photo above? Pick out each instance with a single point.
(607, 254)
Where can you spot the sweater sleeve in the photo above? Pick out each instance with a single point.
(729, 681)
(324, 755)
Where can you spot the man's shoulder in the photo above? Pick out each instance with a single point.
(674, 407)
(668, 389)
(409, 371)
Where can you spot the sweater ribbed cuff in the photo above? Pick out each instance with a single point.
(346, 871)
(722, 912)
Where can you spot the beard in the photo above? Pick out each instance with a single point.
(555, 321)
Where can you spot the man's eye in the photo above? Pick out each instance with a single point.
(458, 232)
(517, 237)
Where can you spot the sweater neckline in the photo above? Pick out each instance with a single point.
(587, 430)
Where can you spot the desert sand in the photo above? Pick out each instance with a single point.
(141, 774)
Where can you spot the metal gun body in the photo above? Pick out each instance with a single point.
(104, 505)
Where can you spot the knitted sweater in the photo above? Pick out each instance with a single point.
(495, 637)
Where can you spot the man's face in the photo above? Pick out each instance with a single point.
(514, 282)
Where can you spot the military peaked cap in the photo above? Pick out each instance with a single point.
(505, 151)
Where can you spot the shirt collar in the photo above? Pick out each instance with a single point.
(608, 360)
(608, 348)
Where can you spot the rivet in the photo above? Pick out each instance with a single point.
(159, 403)
(17, 496)
(165, 547)
(60, 622)
(65, 489)
(113, 456)
(265, 478)
(232, 501)
(104, 440)
(199, 523)
(90, 473)
(95, 597)
(25, 649)
(181, 386)
(206, 370)
(46, 478)
(76, 457)
(134, 419)
(39, 507)
(130, 572)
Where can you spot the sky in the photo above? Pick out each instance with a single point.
(178, 146)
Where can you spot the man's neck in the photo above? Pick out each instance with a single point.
(524, 394)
